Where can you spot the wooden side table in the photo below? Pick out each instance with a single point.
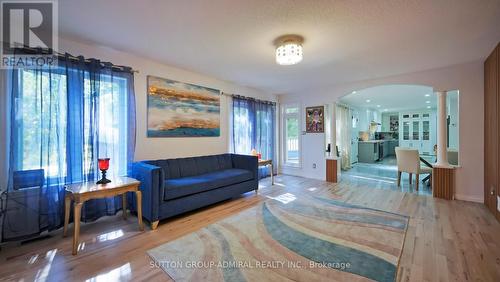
(81, 192)
(332, 167)
(268, 163)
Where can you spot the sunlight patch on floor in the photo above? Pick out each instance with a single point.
(42, 274)
(284, 198)
(370, 178)
(33, 259)
(122, 273)
(110, 235)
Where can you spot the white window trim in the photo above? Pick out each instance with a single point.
(283, 150)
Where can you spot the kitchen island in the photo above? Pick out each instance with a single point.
(371, 151)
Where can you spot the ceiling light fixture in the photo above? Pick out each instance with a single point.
(378, 106)
(427, 95)
(385, 110)
(353, 92)
(428, 107)
(368, 101)
(427, 102)
(289, 49)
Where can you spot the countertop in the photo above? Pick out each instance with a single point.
(377, 141)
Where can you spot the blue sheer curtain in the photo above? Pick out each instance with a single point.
(254, 128)
(62, 119)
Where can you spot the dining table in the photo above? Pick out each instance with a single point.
(428, 164)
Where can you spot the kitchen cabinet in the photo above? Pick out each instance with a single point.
(418, 131)
(385, 145)
(392, 144)
(368, 151)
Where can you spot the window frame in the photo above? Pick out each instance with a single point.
(284, 117)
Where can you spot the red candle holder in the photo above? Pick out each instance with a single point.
(103, 166)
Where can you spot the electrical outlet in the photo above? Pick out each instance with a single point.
(314, 165)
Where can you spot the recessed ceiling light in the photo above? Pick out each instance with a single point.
(427, 102)
(368, 100)
(385, 110)
(428, 107)
(427, 95)
(353, 92)
(378, 106)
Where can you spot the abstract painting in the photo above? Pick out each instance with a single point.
(315, 119)
(177, 109)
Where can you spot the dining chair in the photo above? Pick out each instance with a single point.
(408, 160)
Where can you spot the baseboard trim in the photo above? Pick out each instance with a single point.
(469, 198)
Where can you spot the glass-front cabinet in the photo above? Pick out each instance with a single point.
(418, 131)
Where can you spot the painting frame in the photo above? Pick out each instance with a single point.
(315, 119)
(177, 109)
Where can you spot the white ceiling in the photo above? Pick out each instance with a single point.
(345, 40)
(392, 98)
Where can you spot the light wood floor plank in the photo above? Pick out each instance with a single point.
(446, 240)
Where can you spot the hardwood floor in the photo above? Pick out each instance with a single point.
(446, 240)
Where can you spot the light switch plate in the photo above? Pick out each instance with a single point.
(498, 203)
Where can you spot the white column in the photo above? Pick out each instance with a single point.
(333, 128)
(442, 156)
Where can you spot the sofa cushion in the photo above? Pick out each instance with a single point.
(180, 187)
(225, 161)
(185, 167)
(170, 167)
(188, 167)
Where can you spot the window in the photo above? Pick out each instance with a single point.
(40, 105)
(254, 128)
(42, 116)
(291, 130)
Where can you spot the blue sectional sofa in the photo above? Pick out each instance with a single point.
(174, 186)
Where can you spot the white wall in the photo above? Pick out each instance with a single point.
(309, 157)
(157, 148)
(467, 78)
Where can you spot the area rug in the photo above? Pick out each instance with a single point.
(290, 238)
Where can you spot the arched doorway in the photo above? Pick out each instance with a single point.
(372, 122)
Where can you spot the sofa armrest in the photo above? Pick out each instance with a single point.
(246, 162)
(151, 178)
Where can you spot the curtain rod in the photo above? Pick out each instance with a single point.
(249, 98)
(42, 51)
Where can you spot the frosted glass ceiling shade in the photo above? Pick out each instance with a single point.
(289, 50)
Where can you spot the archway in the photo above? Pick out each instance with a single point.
(371, 122)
